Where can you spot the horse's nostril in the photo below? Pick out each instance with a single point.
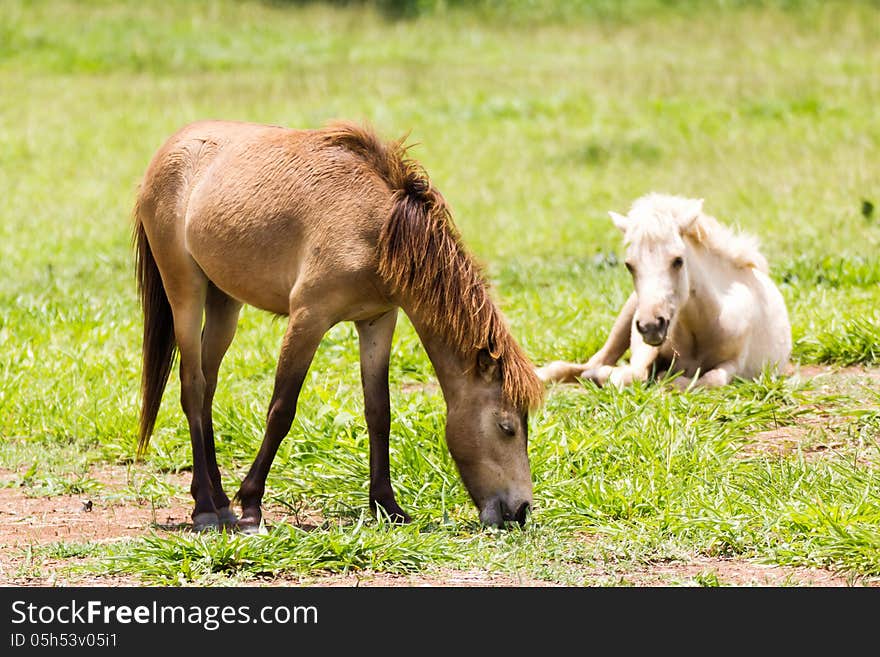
(522, 513)
(493, 513)
(639, 327)
(662, 322)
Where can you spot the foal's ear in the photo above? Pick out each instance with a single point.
(691, 212)
(619, 220)
(487, 366)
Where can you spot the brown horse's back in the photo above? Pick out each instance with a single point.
(261, 210)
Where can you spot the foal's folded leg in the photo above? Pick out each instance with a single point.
(714, 378)
(641, 359)
(719, 376)
(619, 376)
(560, 371)
(616, 344)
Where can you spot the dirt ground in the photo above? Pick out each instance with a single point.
(28, 522)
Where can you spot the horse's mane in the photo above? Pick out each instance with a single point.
(421, 255)
(739, 248)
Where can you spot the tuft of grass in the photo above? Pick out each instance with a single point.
(194, 558)
(844, 342)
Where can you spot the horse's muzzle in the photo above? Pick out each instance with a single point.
(653, 333)
(496, 513)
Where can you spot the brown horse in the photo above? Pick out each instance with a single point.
(321, 226)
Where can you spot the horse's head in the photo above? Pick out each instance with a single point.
(487, 437)
(656, 256)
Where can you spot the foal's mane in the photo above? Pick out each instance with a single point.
(421, 255)
(739, 248)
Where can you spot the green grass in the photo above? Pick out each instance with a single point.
(534, 119)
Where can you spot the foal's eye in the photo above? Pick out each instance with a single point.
(632, 270)
(677, 262)
(507, 428)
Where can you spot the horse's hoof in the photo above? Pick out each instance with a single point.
(250, 528)
(400, 517)
(392, 513)
(206, 521)
(227, 518)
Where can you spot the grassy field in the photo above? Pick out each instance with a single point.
(534, 122)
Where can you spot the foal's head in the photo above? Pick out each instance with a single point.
(656, 256)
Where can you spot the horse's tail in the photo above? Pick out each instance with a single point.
(159, 345)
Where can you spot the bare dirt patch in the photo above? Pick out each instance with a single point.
(859, 371)
(819, 430)
(731, 572)
(80, 518)
(31, 523)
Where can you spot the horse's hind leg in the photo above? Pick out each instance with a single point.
(301, 340)
(186, 295)
(221, 319)
(375, 337)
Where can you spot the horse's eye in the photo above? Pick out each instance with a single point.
(507, 428)
(632, 270)
(677, 262)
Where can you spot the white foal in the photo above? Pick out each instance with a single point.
(703, 304)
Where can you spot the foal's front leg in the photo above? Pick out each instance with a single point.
(298, 347)
(375, 337)
(642, 356)
(620, 337)
(615, 346)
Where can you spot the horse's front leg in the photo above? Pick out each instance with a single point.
(298, 347)
(375, 337)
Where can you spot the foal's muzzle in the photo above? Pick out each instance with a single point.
(496, 513)
(653, 333)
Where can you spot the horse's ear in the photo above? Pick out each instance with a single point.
(487, 366)
(619, 220)
(692, 212)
